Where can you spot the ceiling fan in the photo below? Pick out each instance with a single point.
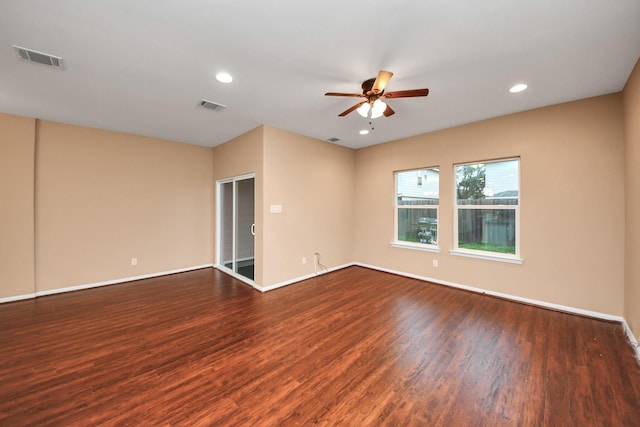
(373, 90)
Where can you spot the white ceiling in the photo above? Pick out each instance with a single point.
(142, 66)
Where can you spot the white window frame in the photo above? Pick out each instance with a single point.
(428, 247)
(487, 255)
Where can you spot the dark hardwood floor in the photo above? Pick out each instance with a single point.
(354, 347)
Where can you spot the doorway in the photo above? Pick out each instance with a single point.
(236, 226)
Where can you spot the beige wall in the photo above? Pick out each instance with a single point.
(313, 181)
(240, 156)
(631, 96)
(106, 197)
(572, 203)
(17, 145)
(103, 198)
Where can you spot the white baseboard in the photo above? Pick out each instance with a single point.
(99, 284)
(538, 303)
(301, 278)
(559, 307)
(544, 304)
(632, 339)
(17, 298)
(276, 285)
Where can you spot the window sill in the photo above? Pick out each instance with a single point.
(415, 246)
(489, 257)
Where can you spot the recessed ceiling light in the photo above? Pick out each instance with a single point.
(224, 77)
(518, 88)
(364, 132)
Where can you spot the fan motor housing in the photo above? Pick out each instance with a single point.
(367, 85)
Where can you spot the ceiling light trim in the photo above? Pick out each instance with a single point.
(517, 88)
(223, 77)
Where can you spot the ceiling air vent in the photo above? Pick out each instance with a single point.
(212, 105)
(39, 57)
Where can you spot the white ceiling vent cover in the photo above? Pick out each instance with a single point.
(212, 105)
(39, 57)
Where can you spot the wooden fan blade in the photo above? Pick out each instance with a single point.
(388, 111)
(407, 93)
(381, 81)
(355, 107)
(355, 95)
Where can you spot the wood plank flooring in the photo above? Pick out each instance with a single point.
(355, 347)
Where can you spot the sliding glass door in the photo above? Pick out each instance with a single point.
(236, 225)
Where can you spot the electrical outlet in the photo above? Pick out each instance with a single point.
(304, 259)
(134, 261)
(435, 262)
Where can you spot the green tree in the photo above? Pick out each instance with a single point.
(470, 181)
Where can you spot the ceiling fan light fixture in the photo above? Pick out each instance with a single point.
(378, 108)
(373, 90)
(363, 110)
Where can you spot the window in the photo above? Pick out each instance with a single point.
(417, 197)
(487, 210)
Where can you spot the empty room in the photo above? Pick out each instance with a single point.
(338, 213)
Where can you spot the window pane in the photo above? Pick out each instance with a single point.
(491, 183)
(492, 230)
(418, 225)
(418, 187)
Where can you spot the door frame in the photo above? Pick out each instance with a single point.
(219, 264)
